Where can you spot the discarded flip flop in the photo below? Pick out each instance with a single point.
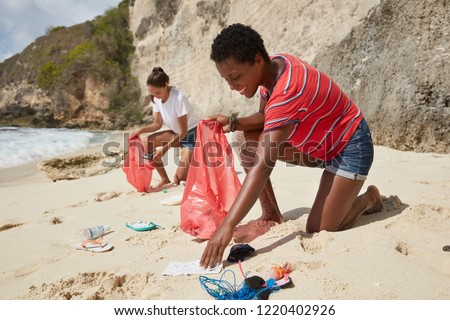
(239, 252)
(285, 282)
(172, 201)
(142, 226)
(96, 245)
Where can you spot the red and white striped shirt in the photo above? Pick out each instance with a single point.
(324, 117)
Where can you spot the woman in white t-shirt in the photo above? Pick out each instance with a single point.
(172, 108)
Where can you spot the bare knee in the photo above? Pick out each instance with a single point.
(313, 223)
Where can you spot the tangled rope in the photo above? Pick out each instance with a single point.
(221, 289)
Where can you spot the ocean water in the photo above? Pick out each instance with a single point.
(24, 145)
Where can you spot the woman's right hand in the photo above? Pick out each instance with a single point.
(223, 120)
(135, 133)
(213, 253)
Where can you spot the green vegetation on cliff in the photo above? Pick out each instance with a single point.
(65, 57)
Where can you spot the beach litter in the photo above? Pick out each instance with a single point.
(173, 200)
(252, 288)
(142, 226)
(176, 268)
(239, 251)
(96, 245)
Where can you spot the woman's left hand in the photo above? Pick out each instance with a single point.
(135, 133)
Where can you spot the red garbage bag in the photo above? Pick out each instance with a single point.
(212, 183)
(137, 170)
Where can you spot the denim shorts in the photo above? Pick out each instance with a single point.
(189, 139)
(355, 160)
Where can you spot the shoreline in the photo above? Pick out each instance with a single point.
(25, 173)
(29, 172)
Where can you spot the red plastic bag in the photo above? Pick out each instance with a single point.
(212, 184)
(137, 170)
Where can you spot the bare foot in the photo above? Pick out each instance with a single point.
(276, 217)
(376, 204)
(250, 231)
(270, 211)
(163, 184)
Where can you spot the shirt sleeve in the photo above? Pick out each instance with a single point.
(286, 101)
(273, 116)
(276, 113)
(184, 107)
(156, 106)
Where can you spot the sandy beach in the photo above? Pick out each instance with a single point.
(395, 254)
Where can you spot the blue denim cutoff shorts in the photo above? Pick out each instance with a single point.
(189, 140)
(355, 160)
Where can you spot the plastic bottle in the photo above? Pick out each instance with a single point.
(92, 232)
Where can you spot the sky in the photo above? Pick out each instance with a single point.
(22, 21)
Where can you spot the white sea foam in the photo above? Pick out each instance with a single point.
(22, 145)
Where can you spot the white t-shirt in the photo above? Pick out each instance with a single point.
(177, 105)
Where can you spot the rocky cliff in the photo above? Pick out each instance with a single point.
(390, 56)
(396, 65)
(177, 36)
(74, 77)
